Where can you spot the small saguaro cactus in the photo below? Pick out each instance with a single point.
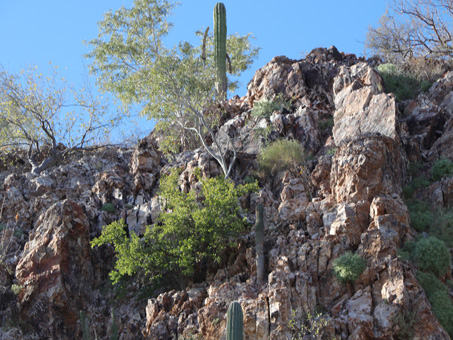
(220, 53)
(259, 243)
(235, 323)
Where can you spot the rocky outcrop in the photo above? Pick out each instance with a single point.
(347, 199)
(54, 259)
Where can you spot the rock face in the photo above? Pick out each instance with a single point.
(56, 256)
(347, 199)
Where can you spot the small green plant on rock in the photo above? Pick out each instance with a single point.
(441, 168)
(348, 267)
(403, 83)
(109, 207)
(281, 155)
(314, 326)
(439, 298)
(265, 108)
(432, 255)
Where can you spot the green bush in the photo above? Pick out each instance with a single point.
(432, 255)
(402, 82)
(281, 155)
(443, 309)
(348, 267)
(439, 298)
(421, 217)
(109, 207)
(442, 227)
(326, 124)
(192, 228)
(2, 227)
(264, 108)
(441, 168)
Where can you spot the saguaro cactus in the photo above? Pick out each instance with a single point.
(259, 243)
(220, 54)
(235, 323)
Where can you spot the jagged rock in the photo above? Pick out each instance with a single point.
(55, 271)
(361, 107)
(365, 167)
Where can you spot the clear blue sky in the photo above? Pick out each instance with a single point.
(37, 32)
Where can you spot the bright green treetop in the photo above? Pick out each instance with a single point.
(174, 86)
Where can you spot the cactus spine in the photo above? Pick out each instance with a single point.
(235, 325)
(259, 243)
(220, 54)
(83, 324)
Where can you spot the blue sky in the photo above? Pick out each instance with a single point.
(38, 32)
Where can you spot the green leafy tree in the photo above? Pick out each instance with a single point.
(49, 118)
(174, 86)
(193, 227)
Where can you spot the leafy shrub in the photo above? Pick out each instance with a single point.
(441, 168)
(348, 267)
(418, 183)
(17, 289)
(326, 124)
(421, 217)
(402, 82)
(109, 207)
(442, 227)
(188, 232)
(264, 108)
(439, 298)
(314, 326)
(2, 227)
(443, 309)
(432, 255)
(18, 233)
(281, 155)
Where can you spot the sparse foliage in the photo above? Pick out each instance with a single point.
(413, 28)
(441, 168)
(48, 118)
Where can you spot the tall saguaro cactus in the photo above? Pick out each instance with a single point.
(235, 322)
(259, 243)
(220, 54)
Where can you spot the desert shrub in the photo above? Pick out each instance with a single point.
(2, 227)
(264, 108)
(348, 267)
(441, 168)
(404, 83)
(432, 255)
(108, 207)
(417, 183)
(326, 124)
(192, 228)
(421, 217)
(439, 298)
(281, 155)
(442, 227)
(430, 283)
(443, 309)
(313, 326)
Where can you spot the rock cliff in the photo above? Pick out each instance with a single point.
(349, 197)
